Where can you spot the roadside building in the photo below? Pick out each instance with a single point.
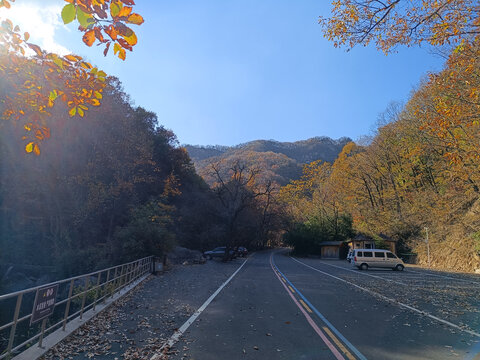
(331, 249)
(361, 241)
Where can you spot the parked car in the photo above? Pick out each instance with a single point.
(219, 252)
(365, 258)
(241, 251)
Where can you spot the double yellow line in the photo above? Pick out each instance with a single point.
(337, 342)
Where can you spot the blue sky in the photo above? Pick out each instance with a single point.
(227, 72)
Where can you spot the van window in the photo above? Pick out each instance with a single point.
(391, 256)
(379, 255)
(367, 254)
(359, 254)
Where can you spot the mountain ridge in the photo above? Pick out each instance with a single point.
(282, 161)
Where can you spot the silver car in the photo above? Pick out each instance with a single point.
(365, 258)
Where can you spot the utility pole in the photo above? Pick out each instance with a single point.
(428, 246)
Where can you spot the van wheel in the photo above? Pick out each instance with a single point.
(364, 267)
(399, 267)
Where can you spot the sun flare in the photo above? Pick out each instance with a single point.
(41, 22)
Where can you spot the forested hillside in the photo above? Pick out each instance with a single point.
(418, 173)
(279, 161)
(108, 187)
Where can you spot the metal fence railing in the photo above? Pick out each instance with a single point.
(74, 296)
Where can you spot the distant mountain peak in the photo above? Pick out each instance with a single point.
(265, 153)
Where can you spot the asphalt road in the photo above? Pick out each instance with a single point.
(278, 307)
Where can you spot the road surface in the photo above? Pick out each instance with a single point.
(279, 307)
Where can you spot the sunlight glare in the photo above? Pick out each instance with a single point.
(41, 22)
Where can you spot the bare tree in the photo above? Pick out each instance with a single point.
(237, 194)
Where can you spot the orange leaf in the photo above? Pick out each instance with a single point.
(71, 58)
(122, 54)
(89, 37)
(136, 19)
(110, 30)
(125, 11)
(36, 150)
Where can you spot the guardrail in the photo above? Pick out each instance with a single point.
(74, 296)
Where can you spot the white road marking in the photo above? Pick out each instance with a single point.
(364, 274)
(176, 336)
(445, 276)
(374, 293)
(409, 277)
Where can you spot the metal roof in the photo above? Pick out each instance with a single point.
(331, 243)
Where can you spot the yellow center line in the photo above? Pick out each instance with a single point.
(284, 280)
(339, 344)
(305, 306)
(291, 289)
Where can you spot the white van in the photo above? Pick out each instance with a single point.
(365, 258)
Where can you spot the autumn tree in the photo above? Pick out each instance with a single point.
(400, 22)
(35, 83)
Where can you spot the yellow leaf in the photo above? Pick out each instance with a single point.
(116, 48)
(29, 147)
(72, 111)
(122, 54)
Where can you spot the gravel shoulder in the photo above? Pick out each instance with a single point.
(142, 321)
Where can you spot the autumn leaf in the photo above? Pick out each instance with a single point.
(135, 19)
(131, 40)
(114, 9)
(84, 19)
(36, 149)
(126, 10)
(89, 37)
(116, 48)
(112, 32)
(36, 48)
(68, 13)
(122, 54)
(29, 147)
(72, 58)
